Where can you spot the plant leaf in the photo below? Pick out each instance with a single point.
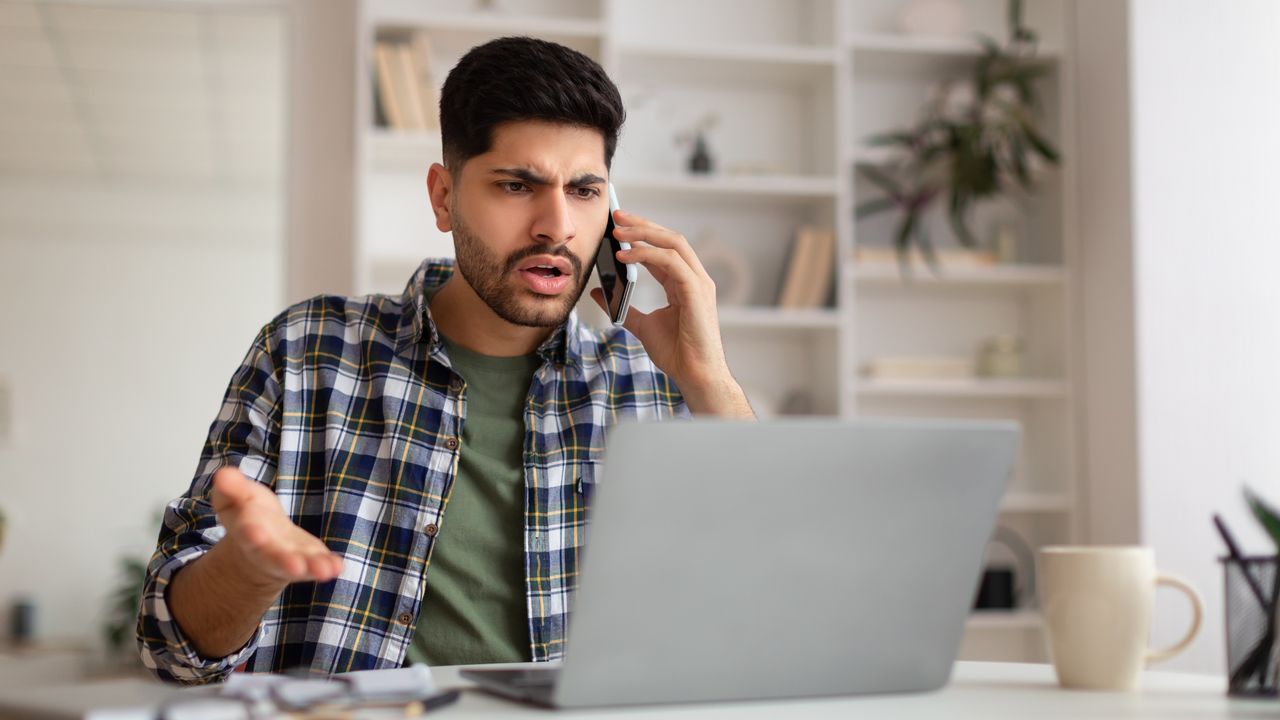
(881, 180)
(1015, 18)
(902, 241)
(1265, 514)
(926, 249)
(872, 207)
(1042, 146)
(892, 138)
(958, 225)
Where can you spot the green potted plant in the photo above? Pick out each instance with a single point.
(121, 615)
(978, 139)
(122, 607)
(1256, 671)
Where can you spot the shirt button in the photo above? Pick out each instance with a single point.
(451, 443)
(432, 530)
(405, 618)
(456, 385)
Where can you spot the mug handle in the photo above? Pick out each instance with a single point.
(1197, 609)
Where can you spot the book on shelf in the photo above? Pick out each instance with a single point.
(921, 367)
(810, 267)
(407, 80)
(384, 56)
(421, 54)
(405, 92)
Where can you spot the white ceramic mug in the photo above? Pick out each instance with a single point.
(1097, 604)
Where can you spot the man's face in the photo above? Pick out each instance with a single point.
(527, 219)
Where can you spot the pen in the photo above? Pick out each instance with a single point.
(1233, 551)
(435, 702)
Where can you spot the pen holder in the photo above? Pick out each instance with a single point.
(1250, 603)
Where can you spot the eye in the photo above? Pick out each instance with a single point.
(586, 193)
(513, 186)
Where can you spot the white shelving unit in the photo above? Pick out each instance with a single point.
(796, 86)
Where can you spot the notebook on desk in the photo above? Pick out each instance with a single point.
(791, 558)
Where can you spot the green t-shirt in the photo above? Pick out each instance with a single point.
(475, 610)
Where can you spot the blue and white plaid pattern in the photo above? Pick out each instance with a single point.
(348, 409)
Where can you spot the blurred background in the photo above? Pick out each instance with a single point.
(1068, 223)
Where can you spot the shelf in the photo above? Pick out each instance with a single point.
(780, 54)
(927, 46)
(731, 64)
(795, 100)
(966, 388)
(778, 186)
(1005, 620)
(890, 275)
(1034, 503)
(767, 317)
(411, 16)
(402, 150)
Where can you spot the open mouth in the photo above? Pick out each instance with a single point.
(547, 274)
(545, 271)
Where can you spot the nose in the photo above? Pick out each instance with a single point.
(553, 223)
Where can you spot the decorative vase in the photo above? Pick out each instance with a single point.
(1001, 357)
(700, 162)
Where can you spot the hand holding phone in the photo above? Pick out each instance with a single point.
(617, 278)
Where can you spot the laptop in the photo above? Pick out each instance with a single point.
(778, 559)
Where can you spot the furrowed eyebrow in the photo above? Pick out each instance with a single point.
(532, 178)
(587, 179)
(522, 174)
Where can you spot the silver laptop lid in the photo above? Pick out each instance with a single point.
(731, 560)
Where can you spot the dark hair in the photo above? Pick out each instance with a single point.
(522, 78)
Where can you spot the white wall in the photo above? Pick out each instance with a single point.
(120, 331)
(1206, 182)
(142, 225)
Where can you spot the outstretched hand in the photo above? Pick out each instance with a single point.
(273, 549)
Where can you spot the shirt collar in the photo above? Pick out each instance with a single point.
(563, 346)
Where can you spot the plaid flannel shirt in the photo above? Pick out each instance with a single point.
(349, 410)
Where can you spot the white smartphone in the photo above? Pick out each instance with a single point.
(616, 277)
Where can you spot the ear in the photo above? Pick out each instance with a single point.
(440, 190)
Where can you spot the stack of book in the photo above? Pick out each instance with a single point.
(922, 367)
(405, 88)
(810, 272)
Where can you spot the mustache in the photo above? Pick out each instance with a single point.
(561, 252)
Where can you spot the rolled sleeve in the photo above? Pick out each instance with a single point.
(166, 650)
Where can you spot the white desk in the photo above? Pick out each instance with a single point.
(985, 691)
(989, 691)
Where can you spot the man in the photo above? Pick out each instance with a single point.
(353, 423)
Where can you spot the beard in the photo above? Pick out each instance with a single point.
(492, 278)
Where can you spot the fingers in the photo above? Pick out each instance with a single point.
(324, 566)
(297, 559)
(231, 488)
(270, 541)
(668, 267)
(633, 228)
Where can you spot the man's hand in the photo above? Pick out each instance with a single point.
(273, 550)
(683, 338)
(220, 599)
